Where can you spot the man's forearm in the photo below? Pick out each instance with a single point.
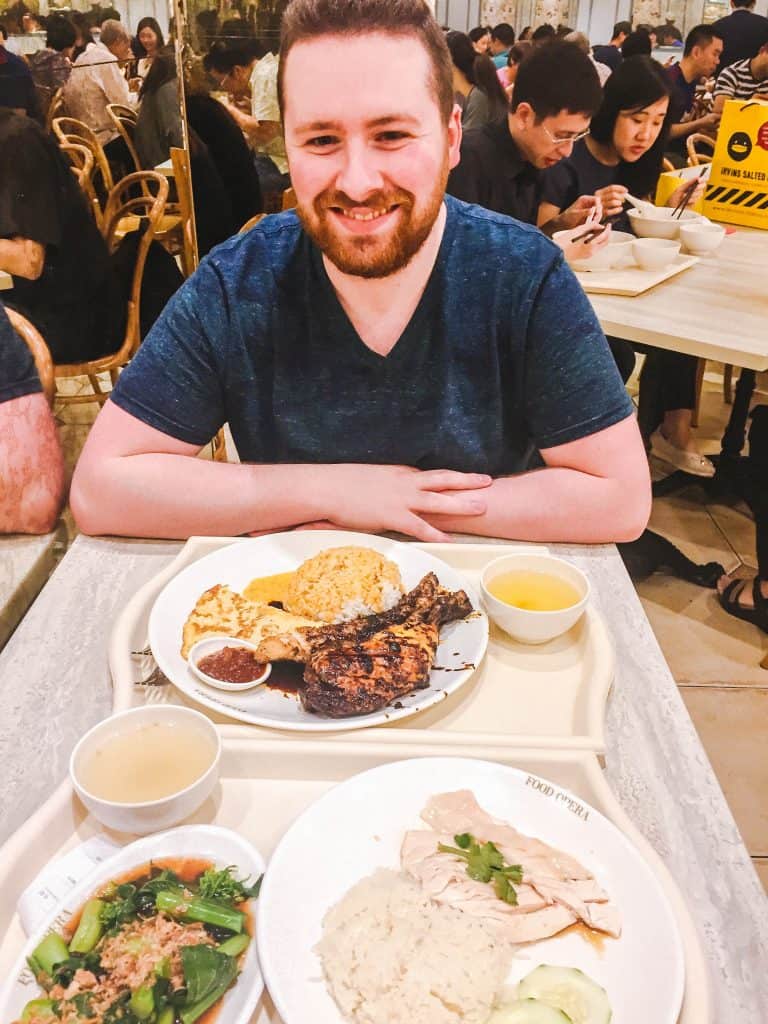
(558, 505)
(177, 496)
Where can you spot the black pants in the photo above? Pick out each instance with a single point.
(624, 356)
(667, 382)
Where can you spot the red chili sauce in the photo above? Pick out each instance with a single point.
(232, 665)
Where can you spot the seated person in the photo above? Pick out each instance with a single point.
(388, 358)
(476, 82)
(623, 153)
(50, 244)
(744, 80)
(610, 53)
(742, 31)
(501, 41)
(17, 87)
(701, 56)
(31, 463)
(158, 126)
(501, 168)
(52, 66)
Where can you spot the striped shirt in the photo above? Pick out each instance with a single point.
(737, 82)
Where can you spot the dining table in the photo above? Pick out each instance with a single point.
(55, 684)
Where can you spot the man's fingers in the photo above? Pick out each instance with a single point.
(434, 503)
(413, 526)
(449, 480)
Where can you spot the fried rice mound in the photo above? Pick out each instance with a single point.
(342, 583)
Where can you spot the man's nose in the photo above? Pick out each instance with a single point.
(359, 174)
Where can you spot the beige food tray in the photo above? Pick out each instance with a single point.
(550, 695)
(631, 280)
(266, 783)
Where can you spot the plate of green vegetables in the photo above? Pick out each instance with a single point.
(161, 933)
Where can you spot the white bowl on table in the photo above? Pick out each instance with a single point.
(660, 223)
(654, 253)
(143, 817)
(524, 624)
(616, 253)
(702, 237)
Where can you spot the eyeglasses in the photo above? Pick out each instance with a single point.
(564, 140)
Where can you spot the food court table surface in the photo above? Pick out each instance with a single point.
(716, 310)
(54, 684)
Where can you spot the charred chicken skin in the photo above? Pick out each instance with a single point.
(360, 666)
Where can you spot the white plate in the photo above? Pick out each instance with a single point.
(208, 842)
(358, 826)
(461, 643)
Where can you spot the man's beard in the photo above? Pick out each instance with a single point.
(368, 256)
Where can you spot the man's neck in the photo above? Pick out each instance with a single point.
(758, 77)
(689, 70)
(518, 137)
(394, 298)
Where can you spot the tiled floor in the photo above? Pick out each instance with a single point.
(714, 657)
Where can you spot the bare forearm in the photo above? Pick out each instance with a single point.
(22, 257)
(556, 504)
(176, 496)
(31, 467)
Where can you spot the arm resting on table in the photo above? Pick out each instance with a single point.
(31, 466)
(592, 491)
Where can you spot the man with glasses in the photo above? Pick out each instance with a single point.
(557, 90)
(387, 357)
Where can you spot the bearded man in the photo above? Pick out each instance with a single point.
(387, 358)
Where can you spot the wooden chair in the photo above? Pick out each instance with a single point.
(81, 159)
(55, 109)
(252, 222)
(40, 351)
(289, 199)
(185, 208)
(149, 209)
(667, 165)
(695, 156)
(124, 119)
(70, 130)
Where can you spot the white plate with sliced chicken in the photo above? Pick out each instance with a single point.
(358, 630)
(429, 889)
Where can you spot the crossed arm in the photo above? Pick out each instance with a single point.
(31, 466)
(134, 480)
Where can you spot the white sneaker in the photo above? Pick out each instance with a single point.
(689, 462)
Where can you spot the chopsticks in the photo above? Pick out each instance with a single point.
(592, 233)
(687, 195)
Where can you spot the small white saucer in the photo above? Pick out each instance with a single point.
(212, 644)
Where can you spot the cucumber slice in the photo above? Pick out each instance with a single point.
(569, 990)
(528, 1011)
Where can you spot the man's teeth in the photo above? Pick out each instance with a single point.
(369, 215)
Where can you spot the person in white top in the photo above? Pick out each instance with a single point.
(98, 80)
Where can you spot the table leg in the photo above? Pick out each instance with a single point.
(736, 431)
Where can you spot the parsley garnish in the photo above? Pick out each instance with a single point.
(485, 863)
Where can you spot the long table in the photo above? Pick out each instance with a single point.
(54, 685)
(716, 310)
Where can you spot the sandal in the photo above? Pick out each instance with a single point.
(729, 600)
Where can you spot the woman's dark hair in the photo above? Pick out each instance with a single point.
(479, 70)
(60, 33)
(637, 44)
(525, 35)
(163, 70)
(557, 77)
(518, 53)
(544, 34)
(635, 84)
(232, 52)
(476, 34)
(139, 49)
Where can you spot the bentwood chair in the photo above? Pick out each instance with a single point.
(184, 207)
(148, 209)
(124, 119)
(40, 352)
(81, 159)
(55, 109)
(70, 130)
(701, 149)
(289, 199)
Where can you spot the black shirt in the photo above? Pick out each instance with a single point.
(743, 33)
(610, 55)
(580, 174)
(18, 375)
(493, 173)
(681, 100)
(17, 87)
(77, 303)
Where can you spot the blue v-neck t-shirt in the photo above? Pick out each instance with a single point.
(503, 355)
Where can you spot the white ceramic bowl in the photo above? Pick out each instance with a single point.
(215, 643)
(534, 627)
(702, 237)
(616, 253)
(660, 223)
(654, 253)
(152, 815)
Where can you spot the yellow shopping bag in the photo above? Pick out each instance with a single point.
(737, 191)
(670, 180)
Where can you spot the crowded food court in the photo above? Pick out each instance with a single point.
(383, 511)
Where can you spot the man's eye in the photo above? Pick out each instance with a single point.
(392, 136)
(322, 140)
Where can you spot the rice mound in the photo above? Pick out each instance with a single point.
(392, 956)
(342, 583)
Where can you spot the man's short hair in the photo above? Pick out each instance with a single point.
(60, 33)
(544, 33)
(476, 34)
(621, 28)
(700, 35)
(579, 39)
(637, 43)
(743, 3)
(112, 32)
(504, 34)
(312, 19)
(558, 77)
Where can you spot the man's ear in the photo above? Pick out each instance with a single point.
(525, 114)
(454, 136)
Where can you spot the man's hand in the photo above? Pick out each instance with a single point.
(583, 248)
(585, 208)
(708, 121)
(375, 499)
(613, 198)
